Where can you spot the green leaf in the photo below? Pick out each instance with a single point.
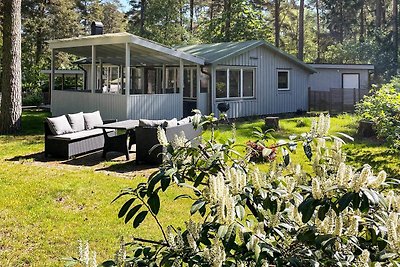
(132, 212)
(125, 208)
(165, 182)
(222, 230)
(108, 263)
(345, 200)
(197, 205)
(199, 179)
(322, 211)
(307, 150)
(240, 211)
(139, 218)
(120, 195)
(154, 203)
(307, 208)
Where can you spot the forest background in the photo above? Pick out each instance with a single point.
(316, 31)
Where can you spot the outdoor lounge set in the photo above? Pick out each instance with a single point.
(76, 134)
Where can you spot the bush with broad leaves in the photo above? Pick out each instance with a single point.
(333, 216)
(382, 107)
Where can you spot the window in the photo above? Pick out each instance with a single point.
(190, 83)
(221, 83)
(283, 80)
(239, 81)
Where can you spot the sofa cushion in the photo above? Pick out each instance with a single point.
(92, 119)
(151, 123)
(59, 125)
(171, 123)
(185, 120)
(79, 135)
(77, 121)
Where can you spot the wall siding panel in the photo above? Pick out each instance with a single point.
(166, 106)
(110, 106)
(268, 100)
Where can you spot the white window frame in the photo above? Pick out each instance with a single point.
(277, 80)
(227, 69)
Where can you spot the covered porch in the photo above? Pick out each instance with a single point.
(128, 77)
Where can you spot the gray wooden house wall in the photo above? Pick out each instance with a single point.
(268, 100)
(325, 79)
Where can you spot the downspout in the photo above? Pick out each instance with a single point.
(209, 87)
(84, 76)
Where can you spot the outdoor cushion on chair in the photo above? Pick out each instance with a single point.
(92, 119)
(79, 135)
(59, 125)
(77, 121)
(151, 123)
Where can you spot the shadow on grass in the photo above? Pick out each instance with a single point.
(115, 162)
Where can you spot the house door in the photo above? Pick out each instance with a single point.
(351, 80)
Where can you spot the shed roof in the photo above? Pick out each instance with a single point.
(343, 66)
(215, 53)
(111, 48)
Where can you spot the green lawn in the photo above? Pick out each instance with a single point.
(47, 208)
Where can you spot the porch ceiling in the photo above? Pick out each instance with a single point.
(110, 48)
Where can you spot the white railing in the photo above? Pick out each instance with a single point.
(155, 106)
(111, 106)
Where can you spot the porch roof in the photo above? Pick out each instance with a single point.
(110, 48)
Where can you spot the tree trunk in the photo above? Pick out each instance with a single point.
(300, 52)
(142, 15)
(318, 33)
(227, 13)
(11, 100)
(277, 22)
(378, 13)
(395, 37)
(362, 22)
(191, 7)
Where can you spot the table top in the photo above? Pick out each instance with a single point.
(120, 125)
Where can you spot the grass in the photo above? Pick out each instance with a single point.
(46, 208)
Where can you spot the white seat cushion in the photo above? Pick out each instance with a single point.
(59, 125)
(79, 135)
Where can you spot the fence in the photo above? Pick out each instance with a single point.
(336, 100)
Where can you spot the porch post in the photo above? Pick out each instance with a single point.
(198, 100)
(213, 89)
(127, 78)
(181, 84)
(52, 78)
(127, 69)
(94, 72)
(164, 78)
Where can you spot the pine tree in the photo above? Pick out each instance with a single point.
(11, 102)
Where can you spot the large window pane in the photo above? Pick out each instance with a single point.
(248, 83)
(204, 80)
(221, 83)
(194, 83)
(234, 83)
(283, 80)
(186, 81)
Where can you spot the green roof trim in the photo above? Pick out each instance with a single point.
(214, 53)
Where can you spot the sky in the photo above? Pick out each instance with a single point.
(125, 5)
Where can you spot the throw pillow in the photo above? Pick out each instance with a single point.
(92, 119)
(59, 125)
(77, 121)
(151, 123)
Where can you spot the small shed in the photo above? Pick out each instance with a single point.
(337, 87)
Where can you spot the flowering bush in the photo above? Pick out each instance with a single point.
(383, 108)
(332, 216)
